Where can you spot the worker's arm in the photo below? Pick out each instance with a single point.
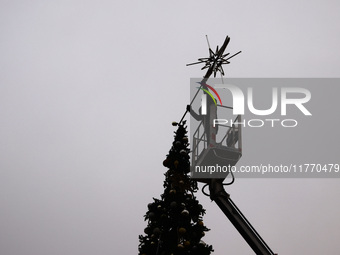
(194, 114)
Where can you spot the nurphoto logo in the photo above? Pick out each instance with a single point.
(279, 99)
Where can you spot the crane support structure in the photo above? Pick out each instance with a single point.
(242, 225)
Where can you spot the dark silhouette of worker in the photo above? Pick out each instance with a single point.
(207, 119)
(215, 185)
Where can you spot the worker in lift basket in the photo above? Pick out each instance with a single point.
(215, 185)
(208, 120)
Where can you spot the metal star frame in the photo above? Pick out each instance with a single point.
(216, 59)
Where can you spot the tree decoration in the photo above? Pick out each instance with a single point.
(175, 224)
(185, 213)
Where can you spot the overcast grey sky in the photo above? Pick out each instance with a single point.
(88, 91)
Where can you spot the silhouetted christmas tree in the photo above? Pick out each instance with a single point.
(175, 225)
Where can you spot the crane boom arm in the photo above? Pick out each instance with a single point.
(243, 226)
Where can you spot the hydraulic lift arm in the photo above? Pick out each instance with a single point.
(240, 222)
